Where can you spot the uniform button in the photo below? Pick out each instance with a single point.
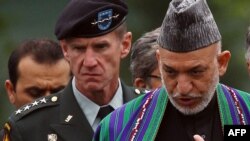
(54, 99)
(137, 91)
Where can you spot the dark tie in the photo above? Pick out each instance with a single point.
(104, 111)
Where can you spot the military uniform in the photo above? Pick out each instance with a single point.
(55, 117)
(59, 116)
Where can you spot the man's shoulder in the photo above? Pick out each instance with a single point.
(130, 92)
(233, 90)
(137, 102)
(39, 106)
(38, 114)
(133, 90)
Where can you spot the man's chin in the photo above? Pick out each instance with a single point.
(189, 110)
(93, 87)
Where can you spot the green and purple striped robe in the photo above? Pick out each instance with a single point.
(140, 119)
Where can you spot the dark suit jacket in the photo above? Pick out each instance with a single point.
(57, 116)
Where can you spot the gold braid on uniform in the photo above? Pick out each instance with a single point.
(6, 132)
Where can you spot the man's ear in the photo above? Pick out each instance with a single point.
(64, 49)
(157, 55)
(248, 67)
(139, 83)
(10, 91)
(223, 60)
(126, 44)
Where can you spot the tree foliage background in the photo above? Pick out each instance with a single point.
(26, 19)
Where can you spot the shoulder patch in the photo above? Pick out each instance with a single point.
(39, 103)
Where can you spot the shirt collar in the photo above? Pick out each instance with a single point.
(90, 109)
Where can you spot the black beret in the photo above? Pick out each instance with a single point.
(90, 18)
(188, 25)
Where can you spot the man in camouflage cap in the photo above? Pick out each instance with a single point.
(191, 101)
(94, 38)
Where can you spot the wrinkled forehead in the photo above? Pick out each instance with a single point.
(80, 40)
(200, 54)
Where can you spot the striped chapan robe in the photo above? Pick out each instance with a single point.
(140, 119)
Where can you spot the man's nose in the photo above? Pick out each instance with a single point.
(90, 58)
(184, 85)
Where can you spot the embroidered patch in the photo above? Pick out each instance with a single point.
(105, 19)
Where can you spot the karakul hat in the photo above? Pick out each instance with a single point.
(188, 25)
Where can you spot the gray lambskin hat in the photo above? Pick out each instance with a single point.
(188, 25)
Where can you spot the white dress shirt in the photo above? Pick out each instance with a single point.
(90, 109)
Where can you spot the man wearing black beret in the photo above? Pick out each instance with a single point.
(94, 38)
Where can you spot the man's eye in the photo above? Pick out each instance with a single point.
(35, 93)
(196, 72)
(170, 72)
(101, 46)
(79, 48)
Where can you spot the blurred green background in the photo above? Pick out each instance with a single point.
(25, 19)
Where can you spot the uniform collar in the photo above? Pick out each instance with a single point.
(90, 109)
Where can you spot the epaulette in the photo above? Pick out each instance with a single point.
(140, 91)
(39, 103)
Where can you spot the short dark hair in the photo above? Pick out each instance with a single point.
(121, 30)
(42, 51)
(143, 60)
